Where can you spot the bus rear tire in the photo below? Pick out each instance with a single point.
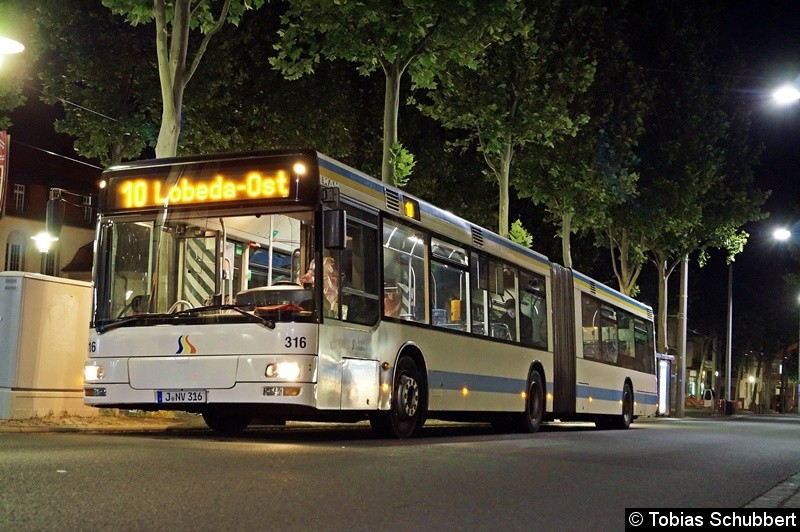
(530, 421)
(227, 420)
(622, 421)
(404, 418)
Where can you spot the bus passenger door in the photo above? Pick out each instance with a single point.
(198, 281)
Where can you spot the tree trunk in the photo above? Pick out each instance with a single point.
(167, 144)
(566, 231)
(170, 73)
(391, 106)
(502, 174)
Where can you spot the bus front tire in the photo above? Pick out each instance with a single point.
(404, 418)
(226, 420)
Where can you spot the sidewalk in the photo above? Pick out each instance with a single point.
(106, 421)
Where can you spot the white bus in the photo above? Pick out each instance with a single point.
(207, 300)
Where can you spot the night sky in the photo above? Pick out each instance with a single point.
(768, 35)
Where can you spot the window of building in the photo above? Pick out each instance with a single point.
(15, 252)
(87, 208)
(19, 198)
(49, 263)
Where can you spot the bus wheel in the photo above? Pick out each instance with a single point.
(226, 420)
(404, 419)
(624, 420)
(531, 419)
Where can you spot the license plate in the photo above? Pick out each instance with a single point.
(180, 396)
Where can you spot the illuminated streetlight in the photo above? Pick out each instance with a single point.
(781, 233)
(9, 47)
(43, 241)
(786, 94)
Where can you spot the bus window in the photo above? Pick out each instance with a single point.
(608, 333)
(448, 285)
(590, 312)
(626, 339)
(533, 310)
(404, 270)
(478, 296)
(358, 268)
(504, 312)
(645, 345)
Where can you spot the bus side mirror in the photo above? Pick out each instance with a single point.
(334, 222)
(54, 217)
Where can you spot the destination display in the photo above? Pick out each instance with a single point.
(198, 184)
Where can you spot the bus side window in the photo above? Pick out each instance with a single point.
(609, 334)
(590, 312)
(478, 295)
(404, 256)
(359, 272)
(533, 310)
(504, 313)
(448, 272)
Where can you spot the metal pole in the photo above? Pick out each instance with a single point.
(797, 388)
(682, 308)
(729, 339)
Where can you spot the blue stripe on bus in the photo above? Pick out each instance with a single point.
(604, 394)
(348, 173)
(453, 381)
(448, 380)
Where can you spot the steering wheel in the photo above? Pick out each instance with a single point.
(177, 304)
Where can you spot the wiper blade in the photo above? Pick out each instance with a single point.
(162, 318)
(140, 319)
(215, 308)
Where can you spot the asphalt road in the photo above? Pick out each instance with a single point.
(567, 477)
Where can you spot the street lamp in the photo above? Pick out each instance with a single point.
(786, 94)
(783, 234)
(9, 47)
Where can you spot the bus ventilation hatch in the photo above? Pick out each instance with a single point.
(477, 236)
(392, 200)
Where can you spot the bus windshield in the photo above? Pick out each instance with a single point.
(198, 268)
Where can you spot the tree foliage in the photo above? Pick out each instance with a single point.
(519, 92)
(419, 36)
(102, 72)
(588, 173)
(696, 186)
(174, 22)
(15, 70)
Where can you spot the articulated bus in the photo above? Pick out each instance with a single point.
(284, 285)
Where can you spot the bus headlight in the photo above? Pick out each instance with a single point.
(283, 370)
(93, 373)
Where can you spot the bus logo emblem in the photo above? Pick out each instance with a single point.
(184, 346)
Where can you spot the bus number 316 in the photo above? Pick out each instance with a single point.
(296, 342)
